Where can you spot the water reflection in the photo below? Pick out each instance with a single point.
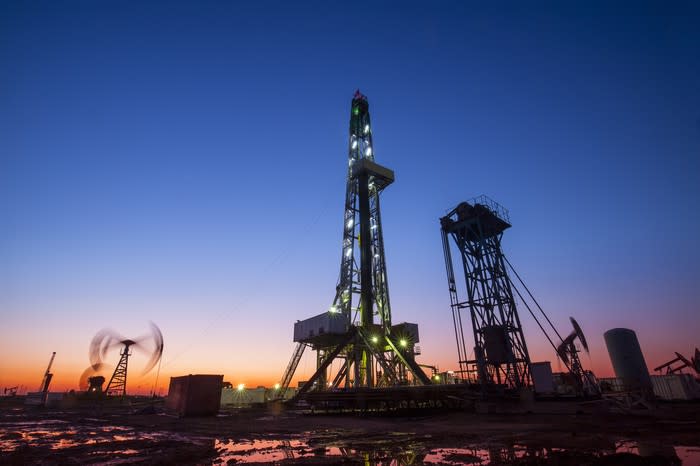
(279, 451)
(266, 451)
(104, 443)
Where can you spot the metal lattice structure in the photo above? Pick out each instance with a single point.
(365, 180)
(357, 329)
(107, 339)
(117, 383)
(500, 353)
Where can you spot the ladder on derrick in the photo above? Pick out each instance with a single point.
(291, 368)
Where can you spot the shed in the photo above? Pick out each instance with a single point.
(195, 395)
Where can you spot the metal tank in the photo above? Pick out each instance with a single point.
(627, 359)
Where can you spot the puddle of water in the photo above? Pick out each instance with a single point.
(116, 428)
(65, 443)
(493, 454)
(62, 436)
(456, 456)
(256, 451)
(56, 438)
(125, 452)
(45, 422)
(688, 455)
(395, 448)
(266, 451)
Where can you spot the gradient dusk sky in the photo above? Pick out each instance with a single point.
(185, 162)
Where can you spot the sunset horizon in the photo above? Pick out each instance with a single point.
(390, 214)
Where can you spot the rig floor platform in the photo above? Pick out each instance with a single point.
(387, 399)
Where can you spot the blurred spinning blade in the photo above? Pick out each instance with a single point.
(101, 343)
(108, 339)
(157, 338)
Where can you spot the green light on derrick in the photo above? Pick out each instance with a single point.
(375, 339)
(403, 343)
(356, 110)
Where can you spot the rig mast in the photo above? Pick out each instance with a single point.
(500, 353)
(357, 329)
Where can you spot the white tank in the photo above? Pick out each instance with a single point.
(627, 359)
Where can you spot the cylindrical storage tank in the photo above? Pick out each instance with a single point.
(627, 359)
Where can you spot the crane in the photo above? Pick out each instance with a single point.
(44, 387)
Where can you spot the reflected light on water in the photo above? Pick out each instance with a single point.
(256, 451)
(125, 444)
(266, 451)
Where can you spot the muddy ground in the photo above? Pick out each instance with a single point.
(143, 434)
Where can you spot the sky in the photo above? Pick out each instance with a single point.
(184, 163)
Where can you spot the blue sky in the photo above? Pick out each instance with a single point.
(184, 162)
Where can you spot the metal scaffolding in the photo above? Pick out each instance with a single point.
(357, 329)
(117, 383)
(500, 354)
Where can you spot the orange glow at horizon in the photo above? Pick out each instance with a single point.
(221, 343)
(66, 376)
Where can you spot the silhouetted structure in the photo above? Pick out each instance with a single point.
(680, 362)
(357, 329)
(500, 353)
(106, 339)
(195, 395)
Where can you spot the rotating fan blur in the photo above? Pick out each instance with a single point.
(149, 344)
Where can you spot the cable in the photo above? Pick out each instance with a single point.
(531, 296)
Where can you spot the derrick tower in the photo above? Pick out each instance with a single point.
(117, 383)
(356, 333)
(107, 339)
(500, 353)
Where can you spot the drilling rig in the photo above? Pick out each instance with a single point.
(357, 331)
(501, 360)
(500, 353)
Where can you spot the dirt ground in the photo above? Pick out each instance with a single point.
(143, 434)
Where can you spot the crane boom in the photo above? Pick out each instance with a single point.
(44, 387)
